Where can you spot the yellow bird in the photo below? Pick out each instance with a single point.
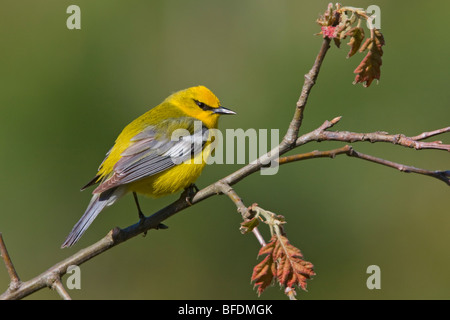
(151, 157)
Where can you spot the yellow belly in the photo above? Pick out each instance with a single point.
(169, 181)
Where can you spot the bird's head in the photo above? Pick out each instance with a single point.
(199, 102)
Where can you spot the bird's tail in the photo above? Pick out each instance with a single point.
(98, 202)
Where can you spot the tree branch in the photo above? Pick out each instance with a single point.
(52, 277)
(431, 134)
(310, 81)
(400, 139)
(15, 281)
(58, 286)
(241, 208)
(348, 150)
(117, 236)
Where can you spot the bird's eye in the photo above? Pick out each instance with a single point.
(202, 105)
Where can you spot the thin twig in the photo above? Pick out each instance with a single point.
(425, 135)
(441, 175)
(15, 281)
(310, 81)
(59, 287)
(400, 139)
(46, 279)
(227, 190)
(348, 150)
(242, 209)
(314, 154)
(259, 236)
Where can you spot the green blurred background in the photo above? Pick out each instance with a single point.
(66, 94)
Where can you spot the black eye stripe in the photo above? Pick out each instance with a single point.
(203, 106)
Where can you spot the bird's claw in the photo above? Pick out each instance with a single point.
(189, 193)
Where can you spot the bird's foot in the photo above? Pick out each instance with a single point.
(189, 193)
(141, 221)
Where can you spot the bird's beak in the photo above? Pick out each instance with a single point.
(223, 110)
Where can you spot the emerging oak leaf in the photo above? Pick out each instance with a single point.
(340, 22)
(248, 225)
(370, 67)
(357, 36)
(283, 262)
(264, 271)
(292, 269)
(345, 24)
(329, 21)
(330, 17)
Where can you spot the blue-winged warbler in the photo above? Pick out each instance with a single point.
(145, 158)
